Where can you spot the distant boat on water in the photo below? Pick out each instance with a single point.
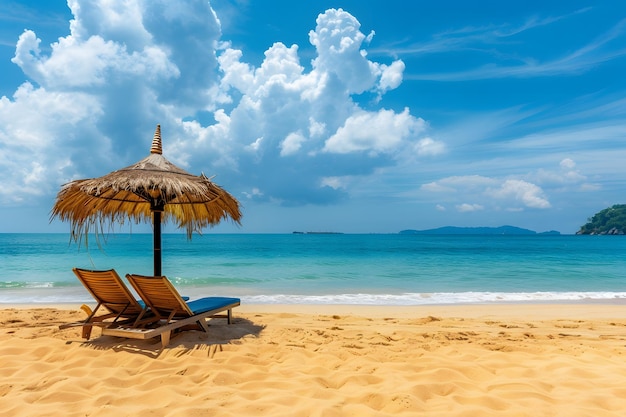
(317, 233)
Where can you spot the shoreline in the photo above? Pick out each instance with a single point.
(584, 309)
(77, 294)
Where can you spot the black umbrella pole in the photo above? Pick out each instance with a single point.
(156, 218)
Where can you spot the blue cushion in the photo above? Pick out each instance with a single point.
(210, 303)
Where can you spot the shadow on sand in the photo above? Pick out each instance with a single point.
(182, 342)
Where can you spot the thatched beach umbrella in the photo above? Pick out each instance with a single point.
(152, 190)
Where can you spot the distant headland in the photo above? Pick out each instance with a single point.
(502, 230)
(610, 221)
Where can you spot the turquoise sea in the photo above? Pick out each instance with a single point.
(384, 269)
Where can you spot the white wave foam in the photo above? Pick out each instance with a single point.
(433, 298)
(78, 295)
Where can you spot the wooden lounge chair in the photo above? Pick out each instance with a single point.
(108, 289)
(171, 310)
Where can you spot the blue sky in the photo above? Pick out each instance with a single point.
(348, 116)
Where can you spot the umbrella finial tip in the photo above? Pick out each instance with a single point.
(156, 141)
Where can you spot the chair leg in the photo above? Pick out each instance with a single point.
(230, 316)
(87, 332)
(204, 326)
(91, 313)
(165, 338)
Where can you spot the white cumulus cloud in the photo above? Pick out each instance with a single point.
(429, 146)
(375, 132)
(567, 164)
(492, 192)
(93, 97)
(291, 144)
(466, 207)
(521, 191)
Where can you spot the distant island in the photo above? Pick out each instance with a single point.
(610, 221)
(502, 230)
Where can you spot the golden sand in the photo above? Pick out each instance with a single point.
(496, 360)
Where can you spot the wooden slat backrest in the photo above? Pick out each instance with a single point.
(108, 289)
(160, 295)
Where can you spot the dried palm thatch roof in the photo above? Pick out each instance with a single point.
(136, 192)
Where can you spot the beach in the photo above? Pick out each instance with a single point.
(325, 360)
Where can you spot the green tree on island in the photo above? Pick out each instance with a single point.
(610, 221)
